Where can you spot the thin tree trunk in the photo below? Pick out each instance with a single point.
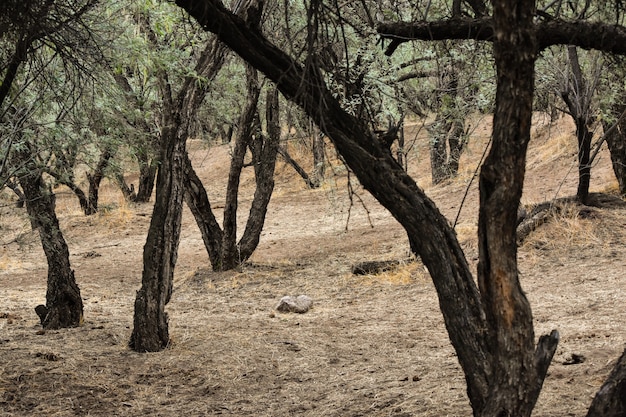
(616, 142)
(147, 174)
(96, 178)
(265, 158)
(21, 198)
(230, 250)
(584, 136)
(319, 159)
(198, 202)
(296, 166)
(64, 305)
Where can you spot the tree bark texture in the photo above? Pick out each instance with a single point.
(150, 324)
(230, 250)
(577, 97)
(64, 305)
(587, 35)
(95, 178)
(517, 374)
(610, 401)
(616, 141)
(429, 231)
(264, 153)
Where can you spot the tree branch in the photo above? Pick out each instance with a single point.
(587, 35)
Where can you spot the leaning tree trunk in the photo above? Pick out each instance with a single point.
(516, 373)
(64, 305)
(610, 401)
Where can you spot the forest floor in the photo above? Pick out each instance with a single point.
(372, 345)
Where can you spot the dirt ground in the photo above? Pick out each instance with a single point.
(372, 345)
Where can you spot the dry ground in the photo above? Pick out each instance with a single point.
(371, 345)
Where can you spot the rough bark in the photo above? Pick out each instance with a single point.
(264, 155)
(150, 325)
(517, 372)
(616, 141)
(587, 35)
(64, 305)
(610, 401)
(95, 178)
(428, 230)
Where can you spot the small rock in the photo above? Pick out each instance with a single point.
(300, 304)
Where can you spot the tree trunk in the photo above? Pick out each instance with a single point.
(230, 250)
(265, 163)
(616, 142)
(517, 372)
(319, 159)
(95, 179)
(21, 198)
(584, 136)
(610, 401)
(147, 174)
(296, 166)
(198, 202)
(150, 326)
(64, 305)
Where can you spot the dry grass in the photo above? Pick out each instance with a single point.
(374, 345)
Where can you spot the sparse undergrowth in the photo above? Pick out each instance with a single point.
(371, 345)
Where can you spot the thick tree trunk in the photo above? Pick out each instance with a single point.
(610, 401)
(150, 325)
(429, 232)
(64, 305)
(517, 373)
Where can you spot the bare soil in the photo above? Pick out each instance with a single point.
(372, 345)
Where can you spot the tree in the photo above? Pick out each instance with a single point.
(490, 326)
(36, 36)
